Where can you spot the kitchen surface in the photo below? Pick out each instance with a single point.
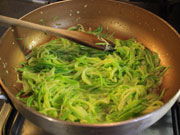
(16, 124)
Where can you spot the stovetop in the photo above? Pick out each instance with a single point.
(15, 124)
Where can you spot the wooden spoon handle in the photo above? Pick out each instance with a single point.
(76, 36)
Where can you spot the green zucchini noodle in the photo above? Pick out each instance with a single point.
(71, 82)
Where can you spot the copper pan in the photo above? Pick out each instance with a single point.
(126, 21)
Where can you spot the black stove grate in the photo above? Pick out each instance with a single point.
(175, 111)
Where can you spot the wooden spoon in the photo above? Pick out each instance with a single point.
(76, 36)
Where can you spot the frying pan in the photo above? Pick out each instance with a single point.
(126, 21)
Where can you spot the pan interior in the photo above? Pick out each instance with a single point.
(126, 21)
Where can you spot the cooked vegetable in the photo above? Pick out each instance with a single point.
(75, 83)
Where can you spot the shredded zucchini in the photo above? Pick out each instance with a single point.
(75, 83)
